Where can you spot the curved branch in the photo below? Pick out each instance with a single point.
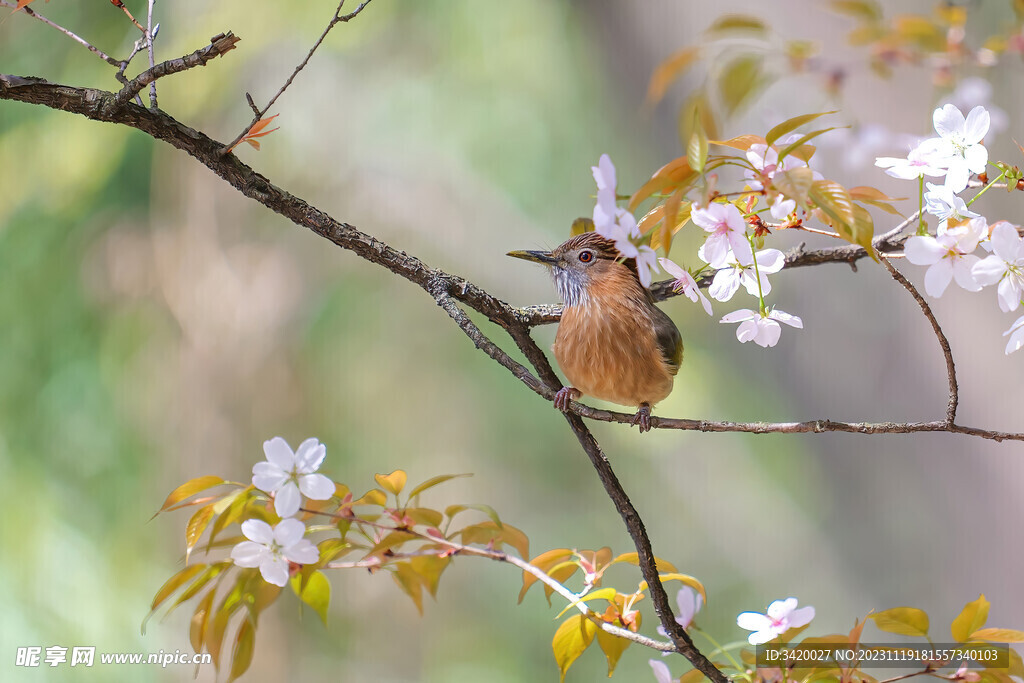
(219, 44)
(939, 334)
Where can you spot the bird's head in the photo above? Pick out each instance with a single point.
(580, 263)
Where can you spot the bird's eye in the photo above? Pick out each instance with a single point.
(586, 256)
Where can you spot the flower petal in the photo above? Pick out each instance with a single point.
(977, 124)
(770, 261)
(287, 499)
(280, 453)
(248, 554)
(768, 332)
(924, 250)
(275, 570)
(288, 532)
(661, 672)
(748, 330)
(962, 272)
(753, 621)
(801, 617)
(1009, 292)
(257, 530)
(1006, 243)
(948, 121)
(316, 486)
(780, 609)
(937, 278)
(739, 316)
(303, 552)
(783, 317)
(310, 455)
(266, 476)
(725, 284)
(672, 269)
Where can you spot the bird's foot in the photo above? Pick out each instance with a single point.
(564, 395)
(642, 418)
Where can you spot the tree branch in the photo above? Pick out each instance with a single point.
(939, 334)
(219, 44)
(70, 34)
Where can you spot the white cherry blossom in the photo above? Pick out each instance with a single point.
(924, 159)
(272, 548)
(1016, 334)
(728, 279)
(764, 330)
(288, 475)
(941, 201)
(948, 256)
(686, 284)
(782, 615)
(1005, 266)
(960, 143)
(728, 234)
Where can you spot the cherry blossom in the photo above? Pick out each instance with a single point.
(941, 201)
(1016, 334)
(618, 224)
(686, 284)
(960, 143)
(661, 672)
(924, 159)
(728, 234)
(761, 328)
(782, 615)
(1005, 266)
(288, 475)
(948, 256)
(689, 602)
(272, 548)
(782, 207)
(728, 279)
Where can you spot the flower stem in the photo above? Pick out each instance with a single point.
(757, 276)
(922, 225)
(986, 188)
(718, 648)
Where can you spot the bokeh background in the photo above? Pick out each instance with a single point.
(156, 326)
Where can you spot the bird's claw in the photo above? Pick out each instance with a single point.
(642, 418)
(564, 396)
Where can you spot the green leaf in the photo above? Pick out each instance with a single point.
(834, 200)
(792, 124)
(430, 567)
(579, 226)
(795, 184)
(372, 497)
(393, 482)
(865, 10)
(697, 149)
(190, 488)
(440, 479)
(613, 647)
(316, 593)
(739, 80)
(453, 510)
(212, 572)
(331, 549)
(195, 527)
(425, 516)
(571, 640)
(241, 655)
(971, 618)
(599, 594)
(391, 540)
(797, 144)
(737, 22)
(906, 621)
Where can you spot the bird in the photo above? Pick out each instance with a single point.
(612, 343)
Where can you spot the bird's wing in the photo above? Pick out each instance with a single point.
(669, 340)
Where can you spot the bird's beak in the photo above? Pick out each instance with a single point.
(544, 257)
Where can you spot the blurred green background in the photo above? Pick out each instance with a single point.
(156, 326)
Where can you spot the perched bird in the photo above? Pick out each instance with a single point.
(612, 343)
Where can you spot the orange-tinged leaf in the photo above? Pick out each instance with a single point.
(190, 488)
(650, 219)
(561, 575)
(867, 192)
(429, 568)
(256, 130)
(372, 497)
(391, 540)
(612, 647)
(200, 620)
(789, 125)
(607, 594)
(690, 581)
(834, 200)
(682, 218)
(441, 478)
(971, 618)
(675, 171)
(195, 527)
(671, 214)
(854, 636)
(999, 635)
(393, 482)
(693, 676)
(490, 533)
(795, 184)
(410, 582)
(425, 516)
(797, 144)
(737, 22)
(174, 583)
(740, 142)
(668, 71)
(543, 562)
(571, 640)
(697, 149)
(453, 510)
(213, 571)
(633, 559)
(241, 655)
(906, 621)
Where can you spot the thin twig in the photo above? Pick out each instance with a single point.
(338, 18)
(939, 334)
(70, 34)
(121, 5)
(150, 36)
(219, 44)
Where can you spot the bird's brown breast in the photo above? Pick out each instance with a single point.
(608, 348)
